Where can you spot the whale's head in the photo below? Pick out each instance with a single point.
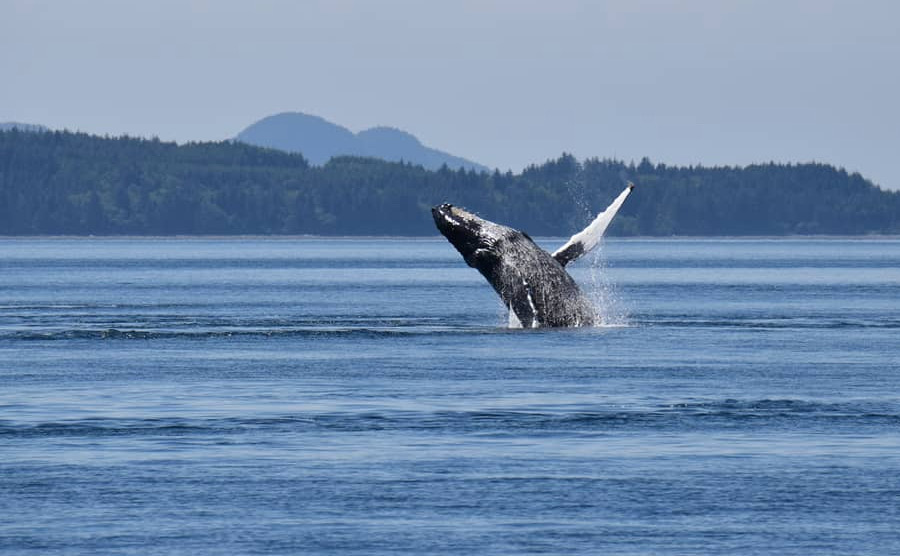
(475, 238)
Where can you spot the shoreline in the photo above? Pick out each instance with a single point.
(178, 237)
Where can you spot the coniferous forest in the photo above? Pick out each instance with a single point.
(63, 183)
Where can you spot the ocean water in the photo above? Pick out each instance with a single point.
(365, 396)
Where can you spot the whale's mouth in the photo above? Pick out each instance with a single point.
(442, 213)
(463, 229)
(452, 221)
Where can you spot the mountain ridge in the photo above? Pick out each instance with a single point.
(320, 140)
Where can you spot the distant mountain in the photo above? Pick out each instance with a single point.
(319, 140)
(6, 126)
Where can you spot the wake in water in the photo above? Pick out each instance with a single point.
(709, 415)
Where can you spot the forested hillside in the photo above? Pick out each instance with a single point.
(68, 183)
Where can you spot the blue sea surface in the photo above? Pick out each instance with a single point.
(366, 396)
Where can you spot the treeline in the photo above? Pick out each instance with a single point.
(71, 183)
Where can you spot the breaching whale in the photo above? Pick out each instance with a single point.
(532, 283)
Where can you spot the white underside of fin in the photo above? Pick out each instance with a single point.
(591, 236)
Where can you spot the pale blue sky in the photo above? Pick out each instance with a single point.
(505, 83)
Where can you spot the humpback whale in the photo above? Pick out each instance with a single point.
(532, 283)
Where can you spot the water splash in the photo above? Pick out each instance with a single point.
(609, 307)
(512, 320)
(577, 188)
(603, 292)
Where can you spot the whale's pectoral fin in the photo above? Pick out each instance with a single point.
(588, 238)
(522, 304)
(569, 252)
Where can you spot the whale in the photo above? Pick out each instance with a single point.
(531, 282)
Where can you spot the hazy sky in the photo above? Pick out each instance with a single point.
(505, 83)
